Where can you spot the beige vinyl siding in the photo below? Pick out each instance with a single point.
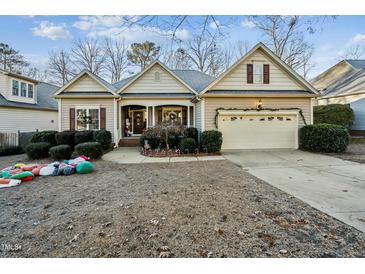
(211, 104)
(198, 112)
(147, 84)
(27, 120)
(237, 78)
(66, 104)
(4, 85)
(85, 84)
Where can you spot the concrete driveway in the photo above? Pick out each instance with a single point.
(332, 185)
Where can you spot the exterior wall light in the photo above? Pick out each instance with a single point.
(259, 105)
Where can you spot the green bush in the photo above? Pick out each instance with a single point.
(175, 135)
(324, 138)
(92, 150)
(65, 138)
(336, 114)
(188, 145)
(38, 150)
(191, 132)
(211, 140)
(83, 137)
(152, 136)
(10, 150)
(103, 137)
(60, 152)
(48, 136)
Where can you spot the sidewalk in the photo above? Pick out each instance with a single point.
(131, 155)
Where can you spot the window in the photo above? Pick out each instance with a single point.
(157, 76)
(23, 89)
(15, 87)
(30, 91)
(87, 118)
(257, 73)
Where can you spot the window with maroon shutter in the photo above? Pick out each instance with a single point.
(102, 118)
(72, 119)
(266, 73)
(249, 73)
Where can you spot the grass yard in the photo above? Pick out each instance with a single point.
(205, 209)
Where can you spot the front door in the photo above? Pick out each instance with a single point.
(138, 124)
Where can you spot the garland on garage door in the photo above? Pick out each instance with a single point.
(258, 110)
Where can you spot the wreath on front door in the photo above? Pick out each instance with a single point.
(172, 116)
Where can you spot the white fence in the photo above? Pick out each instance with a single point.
(9, 138)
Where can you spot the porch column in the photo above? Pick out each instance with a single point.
(153, 116)
(188, 114)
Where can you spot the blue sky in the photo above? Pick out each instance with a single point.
(35, 36)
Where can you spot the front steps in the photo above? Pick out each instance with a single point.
(129, 142)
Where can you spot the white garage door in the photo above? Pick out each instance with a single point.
(242, 131)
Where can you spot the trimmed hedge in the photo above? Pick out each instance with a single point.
(103, 137)
(152, 136)
(61, 152)
(92, 150)
(324, 138)
(191, 132)
(211, 140)
(38, 150)
(188, 145)
(336, 114)
(48, 136)
(83, 137)
(10, 150)
(65, 138)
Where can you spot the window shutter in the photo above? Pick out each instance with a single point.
(249, 73)
(184, 117)
(102, 118)
(72, 119)
(266, 73)
(159, 116)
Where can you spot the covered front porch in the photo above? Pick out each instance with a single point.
(135, 117)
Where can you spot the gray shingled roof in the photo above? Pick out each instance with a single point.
(195, 79)
(357, 64)
(44, 99)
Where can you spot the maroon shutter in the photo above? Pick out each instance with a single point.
(102, 118)
(184, 117)
(159, 116)
(249, 73)
(266, 73)
(72, 119)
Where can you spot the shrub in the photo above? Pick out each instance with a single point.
(103, 137)
(83, 137)
(188, 145)
(211, 140)
(336, 114)
(93, 150)
(152, 136)
(60, 152)
(65, 138)
(10, 150)
(324, 138)
(174, 135)
(191, 132)
(38, 150)
(47, 136)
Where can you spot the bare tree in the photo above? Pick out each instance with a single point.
(242, 48)
(177, 59)
(353, 52)
(285, 36)
(88, 54)
(36, 73)
(11, 59)
(142, 54)
(116, 61)
(60, 66)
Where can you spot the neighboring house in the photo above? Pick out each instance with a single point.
(230, 103)
(344, 83)
(26, 104)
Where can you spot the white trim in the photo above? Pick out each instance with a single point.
(188, 116)
(202, 114)
(59, 101)
(280, 62)
(153, 116)
(147, 69)
(116, 135)
(311, 110)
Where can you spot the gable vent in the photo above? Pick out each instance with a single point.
(157, 77)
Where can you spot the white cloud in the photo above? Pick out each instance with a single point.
(357, 39)
(247, 24)
(89, 22)
(52, 31)
(215, 24)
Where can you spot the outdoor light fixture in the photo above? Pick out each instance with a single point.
(259, 105)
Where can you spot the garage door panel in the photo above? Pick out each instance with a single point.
(258, 131)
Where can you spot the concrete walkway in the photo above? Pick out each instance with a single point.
(131, 155)
(332, 185)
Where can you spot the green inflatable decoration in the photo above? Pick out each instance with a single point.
(5, 174)
(84, 167)
(22, 175)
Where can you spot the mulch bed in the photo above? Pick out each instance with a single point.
(165, 210)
